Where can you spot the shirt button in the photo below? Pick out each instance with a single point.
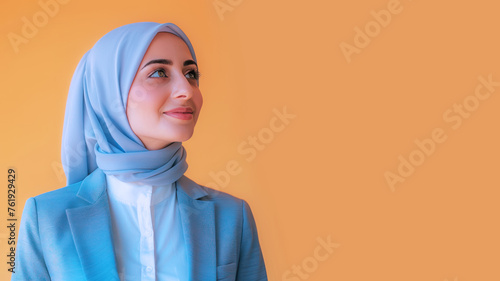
(149, 269)
(148, 233)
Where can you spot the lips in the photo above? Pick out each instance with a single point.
(180, 110)
(183, 113)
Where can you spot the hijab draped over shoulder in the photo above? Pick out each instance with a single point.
(96, 132)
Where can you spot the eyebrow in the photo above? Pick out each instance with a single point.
(169, 62)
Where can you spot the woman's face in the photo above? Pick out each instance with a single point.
(164, 82)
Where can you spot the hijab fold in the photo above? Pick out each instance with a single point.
(96, 132)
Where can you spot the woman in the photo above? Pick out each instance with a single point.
(128, 212)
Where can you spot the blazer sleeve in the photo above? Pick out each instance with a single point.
(30, 264)
(251, 265)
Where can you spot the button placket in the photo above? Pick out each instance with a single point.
(146, 240)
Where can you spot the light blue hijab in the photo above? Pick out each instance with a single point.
(96, 132)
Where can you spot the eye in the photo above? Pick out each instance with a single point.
(158, 73)
(193, 74)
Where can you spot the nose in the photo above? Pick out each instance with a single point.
(181, 87)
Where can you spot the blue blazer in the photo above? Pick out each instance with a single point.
(65, 234)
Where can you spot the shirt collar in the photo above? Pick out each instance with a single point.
(129, 192)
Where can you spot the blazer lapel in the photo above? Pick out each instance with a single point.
(91, 229)
(198, 224)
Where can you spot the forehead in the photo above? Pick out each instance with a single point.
(167, 45)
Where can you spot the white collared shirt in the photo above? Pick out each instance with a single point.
(147, 233)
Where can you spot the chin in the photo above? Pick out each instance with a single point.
(186, 138)
(181, 137)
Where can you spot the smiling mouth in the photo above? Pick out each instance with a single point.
(180, 115)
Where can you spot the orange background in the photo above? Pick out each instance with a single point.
(323, 175)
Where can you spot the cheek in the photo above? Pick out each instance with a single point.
(198, 103)
(136, 97)
(144, 100)
(198, 100)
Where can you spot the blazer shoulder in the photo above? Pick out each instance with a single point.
(60, 198)
(216, 194)
(210, 194)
